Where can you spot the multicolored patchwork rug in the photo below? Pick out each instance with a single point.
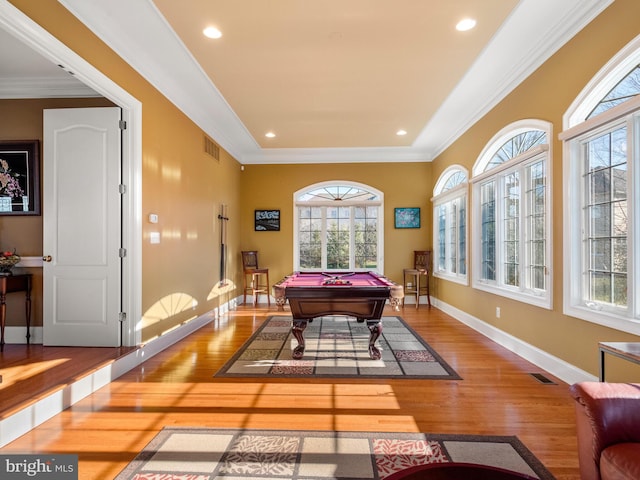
(208, 454)
(337, 346)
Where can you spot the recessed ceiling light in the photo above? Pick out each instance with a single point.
(401, 132)
(465, 24)
(212, 32)
(269, 134)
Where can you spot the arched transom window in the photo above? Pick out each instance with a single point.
(338, 226)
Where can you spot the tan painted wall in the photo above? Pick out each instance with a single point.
(180, 183)
(546, 95)
(186, 189)
(273, 186)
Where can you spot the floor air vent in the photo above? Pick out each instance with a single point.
(542, 379)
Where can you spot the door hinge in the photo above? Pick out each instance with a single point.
(122, 124)
(122, 188)
(122, 317)
(122, 252)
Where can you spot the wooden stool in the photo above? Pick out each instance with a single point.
(416, 280)
(259, 277)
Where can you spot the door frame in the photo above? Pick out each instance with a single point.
(30, 33)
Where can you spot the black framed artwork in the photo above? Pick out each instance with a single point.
(407, 218)
(267, 220)
(20, 177)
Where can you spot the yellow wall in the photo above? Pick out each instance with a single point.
(546, 95)
(185, 188)
(180, 183)
(272, 187)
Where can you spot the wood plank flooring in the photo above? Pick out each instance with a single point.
(496, 396)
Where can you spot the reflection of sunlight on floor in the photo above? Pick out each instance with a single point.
(168, 306)
(13, 375)
(272, 397)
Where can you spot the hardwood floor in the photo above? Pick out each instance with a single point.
(496, 396)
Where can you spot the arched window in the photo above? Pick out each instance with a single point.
(450, 225)
(601, 220)
(338, 226)
(512, 207)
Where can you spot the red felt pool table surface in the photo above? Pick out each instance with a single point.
(359, 294)
(325, 279)
(317, 294)
(360, 279)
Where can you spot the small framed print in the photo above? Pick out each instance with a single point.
(407, 218)
(267, 221)
(20, 177)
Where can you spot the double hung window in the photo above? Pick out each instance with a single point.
(450, 225)
(338, 226)
(601, 218)
(512, 247)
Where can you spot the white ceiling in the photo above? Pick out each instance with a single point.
(333, 79)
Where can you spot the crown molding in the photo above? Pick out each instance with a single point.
(137, 32)
(44, 87)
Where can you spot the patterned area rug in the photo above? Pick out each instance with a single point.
(208, 454)
(337, 346)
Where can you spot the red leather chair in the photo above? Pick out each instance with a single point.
(608, 428)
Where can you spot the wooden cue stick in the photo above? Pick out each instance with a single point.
(223, 243)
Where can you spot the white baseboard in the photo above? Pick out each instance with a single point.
(565, 371)
(33, 415)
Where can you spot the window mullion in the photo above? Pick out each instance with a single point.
(324, 237)
(352, 238)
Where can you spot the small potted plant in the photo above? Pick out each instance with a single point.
(8, 260)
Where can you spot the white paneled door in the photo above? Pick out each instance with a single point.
(82, 227)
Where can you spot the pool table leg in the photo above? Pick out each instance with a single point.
(376, 330)
(297, 329)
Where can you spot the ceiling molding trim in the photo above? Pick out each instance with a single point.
(41, 87)
(336, 155)
(137, 32)
(503, 65)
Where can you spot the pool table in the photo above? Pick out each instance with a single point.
(357, 294)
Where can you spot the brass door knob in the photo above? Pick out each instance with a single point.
(47, 258)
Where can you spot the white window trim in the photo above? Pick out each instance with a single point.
(600, 85)
(627, 319)
(532, 297)
(577, 129)
(499, 140)
(345, 203)
(440, 198)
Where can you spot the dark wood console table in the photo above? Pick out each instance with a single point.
(627, 350)
(10, 284)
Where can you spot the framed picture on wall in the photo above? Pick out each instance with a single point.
(407, 218)
(20, 177)
(267, 220)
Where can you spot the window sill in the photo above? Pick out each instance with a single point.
(604, 318)
(452, 278)
(531, 299)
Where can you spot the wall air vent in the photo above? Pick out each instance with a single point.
(211, 148)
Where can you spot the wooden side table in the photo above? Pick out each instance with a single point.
(627, 350)
(10, 284)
